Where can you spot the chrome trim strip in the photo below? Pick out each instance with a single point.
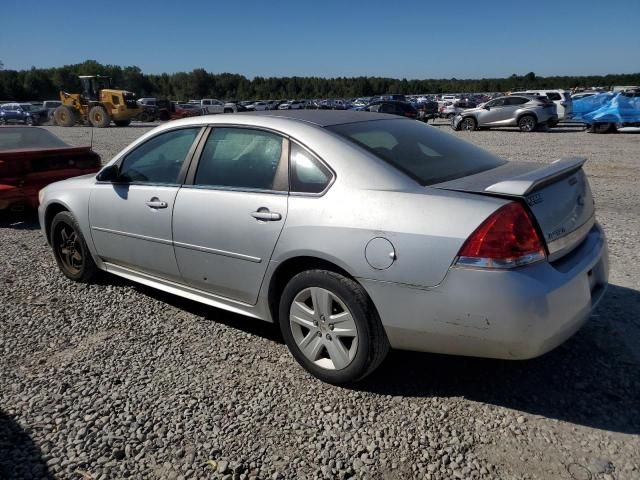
(564, 244)
(215, 251)
(133, 235)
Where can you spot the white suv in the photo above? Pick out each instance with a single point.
(562, 99)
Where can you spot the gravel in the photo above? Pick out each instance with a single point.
(116, 380)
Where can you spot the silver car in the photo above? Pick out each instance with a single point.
(355, 232)
(522, 111)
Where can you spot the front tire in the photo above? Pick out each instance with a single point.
(331, 326)
(98, 117)
(469, 124)
(527, 123)
(70, 249)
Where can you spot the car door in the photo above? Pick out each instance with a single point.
(13, 113)
(229, 214)
(494, 113)
(130, 218)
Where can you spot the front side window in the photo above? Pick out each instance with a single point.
(160, 159)
(498, 102)
(308, 174)
(240, 158)
(424, 153)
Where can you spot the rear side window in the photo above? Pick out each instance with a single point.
(308, 174)
(160, 159)
(554, 96)
(422, 152)
(516, 100)
(240, 158)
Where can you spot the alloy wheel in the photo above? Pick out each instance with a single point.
(323, 328)
(527, 124)
(69, 249)
(468, 124)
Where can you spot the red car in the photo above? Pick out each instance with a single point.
(32, 158)
(184, 110)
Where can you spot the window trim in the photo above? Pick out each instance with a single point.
(183, 169)
(319, 159)
(282, 170)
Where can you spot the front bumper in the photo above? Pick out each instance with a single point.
(510, 314)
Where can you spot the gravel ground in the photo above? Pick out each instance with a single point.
(115, 380)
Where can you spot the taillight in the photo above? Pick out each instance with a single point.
(506, 239)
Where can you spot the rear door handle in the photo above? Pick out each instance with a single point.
(155, 202)
(265, 215)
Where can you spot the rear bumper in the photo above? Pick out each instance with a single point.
(517, 314)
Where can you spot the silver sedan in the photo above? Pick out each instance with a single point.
(355, 232)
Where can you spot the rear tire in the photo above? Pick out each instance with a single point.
(601, 128)
(339, 340)
(122, 123)
(98, 117)
(70, 249)
(527, 123)
(65, 116)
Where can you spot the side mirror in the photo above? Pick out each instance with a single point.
(109, 174)
(486, 107)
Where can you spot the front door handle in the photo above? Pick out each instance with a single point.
(265, 215)
(155, 202)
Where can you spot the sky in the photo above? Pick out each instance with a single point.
(327, 38)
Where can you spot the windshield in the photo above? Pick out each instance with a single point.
(18, 138)
(422, 152)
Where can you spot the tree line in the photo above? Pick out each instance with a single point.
(45, 83)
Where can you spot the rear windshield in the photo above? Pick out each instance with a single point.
(424, 153)
(18, 138)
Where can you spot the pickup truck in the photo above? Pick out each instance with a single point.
(212, 105)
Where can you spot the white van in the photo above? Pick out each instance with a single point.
(562, 99)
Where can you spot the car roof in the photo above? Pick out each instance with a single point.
(322, 118)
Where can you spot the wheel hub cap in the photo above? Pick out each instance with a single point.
(323, 328)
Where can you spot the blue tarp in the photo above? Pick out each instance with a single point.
(607, 108)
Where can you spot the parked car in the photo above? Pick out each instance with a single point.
(184, 110)
(525, 112)
(22, 113)
(393, 107)
(450, 98)
(31, 158)
(257, 106)
(50, 106)
(427, 110)
(562, 99)
(292, 105)
(209, 105)
(450, 110)
(609, 112)
(482, 245)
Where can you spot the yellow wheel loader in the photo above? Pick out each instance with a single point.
(98, 104)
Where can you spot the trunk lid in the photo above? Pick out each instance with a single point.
(558, 196)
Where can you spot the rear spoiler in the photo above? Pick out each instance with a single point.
(524, 184)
